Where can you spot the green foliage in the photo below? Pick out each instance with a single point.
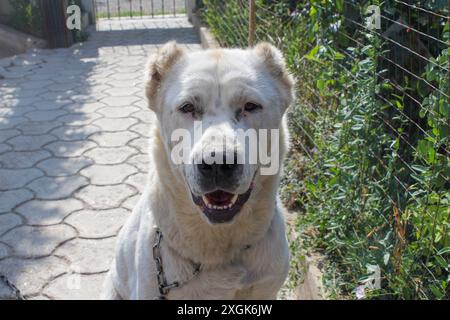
(26, 17)
(368, 171)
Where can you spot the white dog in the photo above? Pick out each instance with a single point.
(208, 229)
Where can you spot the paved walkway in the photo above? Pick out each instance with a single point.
(74, 129)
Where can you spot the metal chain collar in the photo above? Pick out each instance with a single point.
(13, 288)
(163, 287)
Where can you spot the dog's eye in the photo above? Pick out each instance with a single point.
(187, 108)
(251, 107)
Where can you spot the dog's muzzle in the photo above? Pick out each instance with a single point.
(219, 198)
(220, 206)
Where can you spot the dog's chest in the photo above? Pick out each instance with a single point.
(233, 280)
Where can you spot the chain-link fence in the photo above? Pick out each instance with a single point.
(369, 167)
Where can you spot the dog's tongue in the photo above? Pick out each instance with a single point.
(219, 197)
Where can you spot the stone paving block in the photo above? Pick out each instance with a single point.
(101, 88)
(86, 98)
(64, 86)
(111, 155)
(75, 287)
(38, 127)
(79, 119)
(131, 202)
(15, 111)
(57, 187)
(87, 255)
(47, 212)
(10, 123)
(29, 276)
(45, 115)
(145, 116)
(113, 139)
(137, 180)
(9, 221)
(105, 197)
(101, 78)
(17, 178)
(73, 133)
(41, 76)
(143, 129)
(84, 107)
(122, 83)
(35, 242)
(62, 167)
(70, 148)
(7, 134)
(4, 252)
(11, 198)
(142, 102)
(126, 76)
(111, 124)
(140, 161)
(4, 148)
(102, 223)
(30, 143)
(108, 174)
(31, 93)
(142, 144)
(51, 104)
(120, 101)
(57, 96)
(117, 112)
(37, 84)
(24, 159)
(22, 102)
(121, 92)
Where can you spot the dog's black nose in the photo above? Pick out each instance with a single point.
(221, 172)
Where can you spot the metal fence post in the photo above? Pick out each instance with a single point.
(94, 12)
(251, 23)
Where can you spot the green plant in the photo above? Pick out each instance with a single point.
(26, 17)
(368, 171)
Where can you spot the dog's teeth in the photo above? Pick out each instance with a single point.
(209, 205)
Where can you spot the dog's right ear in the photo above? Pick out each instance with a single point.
(157, 68)
(274, 61)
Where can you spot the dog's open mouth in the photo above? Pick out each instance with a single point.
(221, 206)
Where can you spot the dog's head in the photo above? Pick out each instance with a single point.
(225, 106)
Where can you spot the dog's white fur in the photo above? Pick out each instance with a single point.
(229, 269)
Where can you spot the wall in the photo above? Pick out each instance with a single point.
(5, 9)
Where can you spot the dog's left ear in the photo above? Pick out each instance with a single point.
(274, 61)
(158, 67)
